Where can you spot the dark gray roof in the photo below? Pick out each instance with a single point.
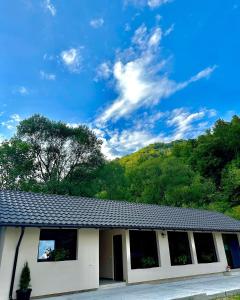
(41, 210)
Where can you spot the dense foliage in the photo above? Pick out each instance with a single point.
(50, 157)
(25, 278)
(202, 172)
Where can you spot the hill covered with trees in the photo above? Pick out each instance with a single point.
(47, 156)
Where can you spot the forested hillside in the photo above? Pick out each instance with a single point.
(49, 157)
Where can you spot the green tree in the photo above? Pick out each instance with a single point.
(111, 182)
(231, 182)
(16, 164)
(215, 149)
(59, 151)
(49, 156)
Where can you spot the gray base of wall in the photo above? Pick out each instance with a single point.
(166, 280)
(63, 294)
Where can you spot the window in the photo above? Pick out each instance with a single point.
(143, 248)
(179, 248)
(57, 245)
(205, 248)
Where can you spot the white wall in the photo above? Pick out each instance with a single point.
(83, 273)
(2, 235)
(165, 270)
(51, 277)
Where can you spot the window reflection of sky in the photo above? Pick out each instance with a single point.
(45, 246)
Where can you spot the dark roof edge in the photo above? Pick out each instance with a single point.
(113, 227)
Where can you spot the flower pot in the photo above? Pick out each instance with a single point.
(23, 294)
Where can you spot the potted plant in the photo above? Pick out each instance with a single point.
(148, 262)
(24, 291)
(59, 254)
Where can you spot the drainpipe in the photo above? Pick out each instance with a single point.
(15, 263)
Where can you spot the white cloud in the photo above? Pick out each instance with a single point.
(205, 73)
(22, 90)
(96, 23)
(143, 80)
(47, 76)
(48, 57)
(72, 59)
(147, 121)
(103, 71)
(185, 123)
(169, 30)
(16, 118)
(12, 122)
(127, 27)
(157, 3)
(118, 143)
(73, 125)
(150, 3)
(50, 7)
(180, 122)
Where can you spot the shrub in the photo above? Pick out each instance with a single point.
(25, 277)
(148, 262)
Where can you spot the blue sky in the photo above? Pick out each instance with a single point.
(135, 71)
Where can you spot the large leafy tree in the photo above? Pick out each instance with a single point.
(215, 149)
(59, 151)
(50, 156)
(231, 182)
(16, 164)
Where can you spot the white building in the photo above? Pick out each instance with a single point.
(72, 243)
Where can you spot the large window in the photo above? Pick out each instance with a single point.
(143, 247)
(57, 245)
(179, 248)
(205, 248)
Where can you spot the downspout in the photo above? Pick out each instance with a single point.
(15, 263)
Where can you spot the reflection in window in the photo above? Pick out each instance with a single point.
(179, 248)
(205, 248)
(57, 245)
(143, 247)
(45, 249)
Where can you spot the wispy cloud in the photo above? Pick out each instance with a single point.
(185, 124)
(143, 80)
(103, 71)
(47, 76)
(179, 123)
(150, 3)
(12, 122)
(169, 30)
(73, 125)
(22, 90)
(157, 3)
(50, 7)
(72, 59)
(96, 23)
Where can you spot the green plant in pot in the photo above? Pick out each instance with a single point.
(148, 262)
(24, 291)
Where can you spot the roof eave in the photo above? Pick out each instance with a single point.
(126, 227)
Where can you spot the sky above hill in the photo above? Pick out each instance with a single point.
(135, 71)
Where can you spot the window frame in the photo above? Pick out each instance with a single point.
(216, 257)
(189, 250)
(75, 241)
(156, 255)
